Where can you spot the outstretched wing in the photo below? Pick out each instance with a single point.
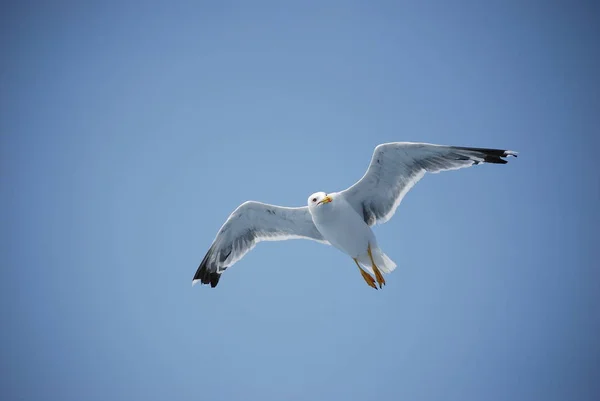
(396, 167)
(249, 224)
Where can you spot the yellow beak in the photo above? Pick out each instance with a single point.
(326, 199)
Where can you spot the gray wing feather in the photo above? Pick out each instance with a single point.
(396, 167)
(249, 224)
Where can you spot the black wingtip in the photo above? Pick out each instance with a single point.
(214, 279)
(492, 155)
(204, 275)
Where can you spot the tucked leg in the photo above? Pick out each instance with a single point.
(378, 275)
(366, 276)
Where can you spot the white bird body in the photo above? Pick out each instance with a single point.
(342, 219)
(346, 230)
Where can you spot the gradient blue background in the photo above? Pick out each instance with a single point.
(129, 132)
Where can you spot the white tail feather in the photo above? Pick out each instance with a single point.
(383, 262)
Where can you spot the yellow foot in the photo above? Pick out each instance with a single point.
(366, 276)
(378, 275)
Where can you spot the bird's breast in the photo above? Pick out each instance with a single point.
(342, 227)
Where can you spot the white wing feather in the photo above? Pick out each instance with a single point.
(249, 224)
(396, 167)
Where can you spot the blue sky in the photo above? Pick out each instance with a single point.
(130, 132)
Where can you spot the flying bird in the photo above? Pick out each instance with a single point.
(342, 219)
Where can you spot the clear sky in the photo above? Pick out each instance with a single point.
(129, 132)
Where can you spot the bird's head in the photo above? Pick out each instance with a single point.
(318, 199)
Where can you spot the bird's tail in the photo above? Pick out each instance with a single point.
(383, 262)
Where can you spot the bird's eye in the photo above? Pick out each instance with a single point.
(314, 199)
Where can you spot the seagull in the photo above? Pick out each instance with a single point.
(342, 219)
